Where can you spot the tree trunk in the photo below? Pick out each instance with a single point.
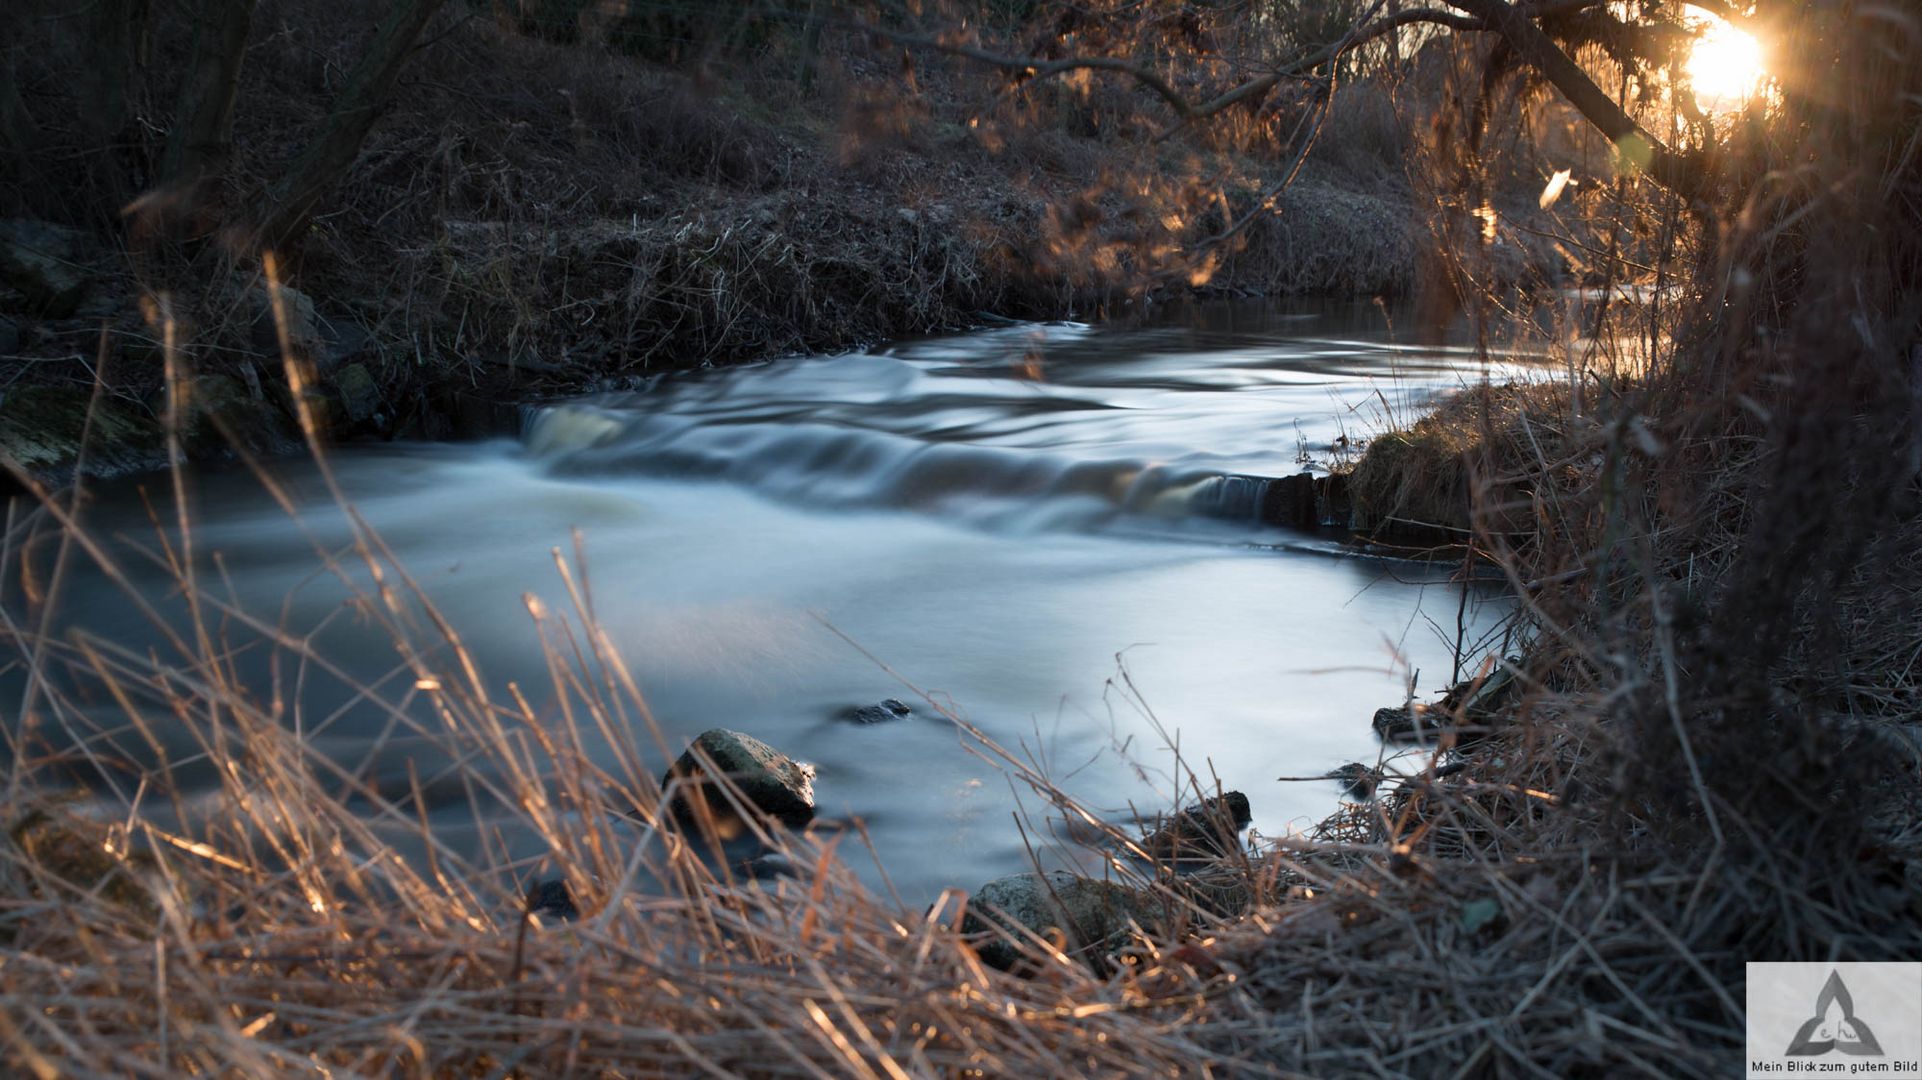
(291, 200)
(204, 119)
(113, 29)
(17, 132)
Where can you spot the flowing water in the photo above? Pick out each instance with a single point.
(1008, 519)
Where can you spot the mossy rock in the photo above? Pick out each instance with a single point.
(59, 854)
(217, 402)
(1084, 917)
(42, 262)
(1413, 482)
(41, 429)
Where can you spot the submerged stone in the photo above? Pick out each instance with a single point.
(888, 710)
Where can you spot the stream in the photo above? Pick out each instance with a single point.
(1009, 520)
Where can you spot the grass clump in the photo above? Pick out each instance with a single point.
(1485, 458)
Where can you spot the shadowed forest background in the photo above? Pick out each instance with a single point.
(232, 231)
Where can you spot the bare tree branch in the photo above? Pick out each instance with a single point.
(1516, 23)
(1675, 171)
(1034, 67)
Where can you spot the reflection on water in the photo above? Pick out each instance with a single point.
(1003, 517)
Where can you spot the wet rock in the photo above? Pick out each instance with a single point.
(1357, 781)
(43, 263)
(1084, 917)
(888, 710)
(769, 867)
(1398, 723)
(1302, 501)
(551, 899)
(778, 785)
(1205, 831)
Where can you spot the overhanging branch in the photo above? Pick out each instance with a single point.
(1675, 171)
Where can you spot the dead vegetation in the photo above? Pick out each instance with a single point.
(1708, 757)
(551, 201)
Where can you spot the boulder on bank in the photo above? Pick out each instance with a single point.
(306, 332)
(43, 263)
(1203, 832)
(221, 412)
(1467, 710)
(777, 785)
(1083, 917)
(41, 428)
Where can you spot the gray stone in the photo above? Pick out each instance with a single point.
(306, 333)
(43, 262)
(767, 779)
(1084, 917)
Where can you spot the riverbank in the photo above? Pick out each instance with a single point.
(535, 218)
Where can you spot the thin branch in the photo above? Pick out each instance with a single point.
(1035, 67)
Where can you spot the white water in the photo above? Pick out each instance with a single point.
(997, 516)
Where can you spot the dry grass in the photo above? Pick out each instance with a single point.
(1489, 457)
(270, 924)
(1710, 758)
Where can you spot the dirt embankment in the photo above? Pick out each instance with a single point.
(533, 218)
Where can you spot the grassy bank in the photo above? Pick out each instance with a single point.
(538, 214)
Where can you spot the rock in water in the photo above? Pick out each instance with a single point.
(1084, 917)
(1207, 830)
(1398, 723)
(551, 899)
(778, 785)
(889, 709)
(1357, 781)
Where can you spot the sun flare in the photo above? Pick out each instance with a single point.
(1726, 65)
